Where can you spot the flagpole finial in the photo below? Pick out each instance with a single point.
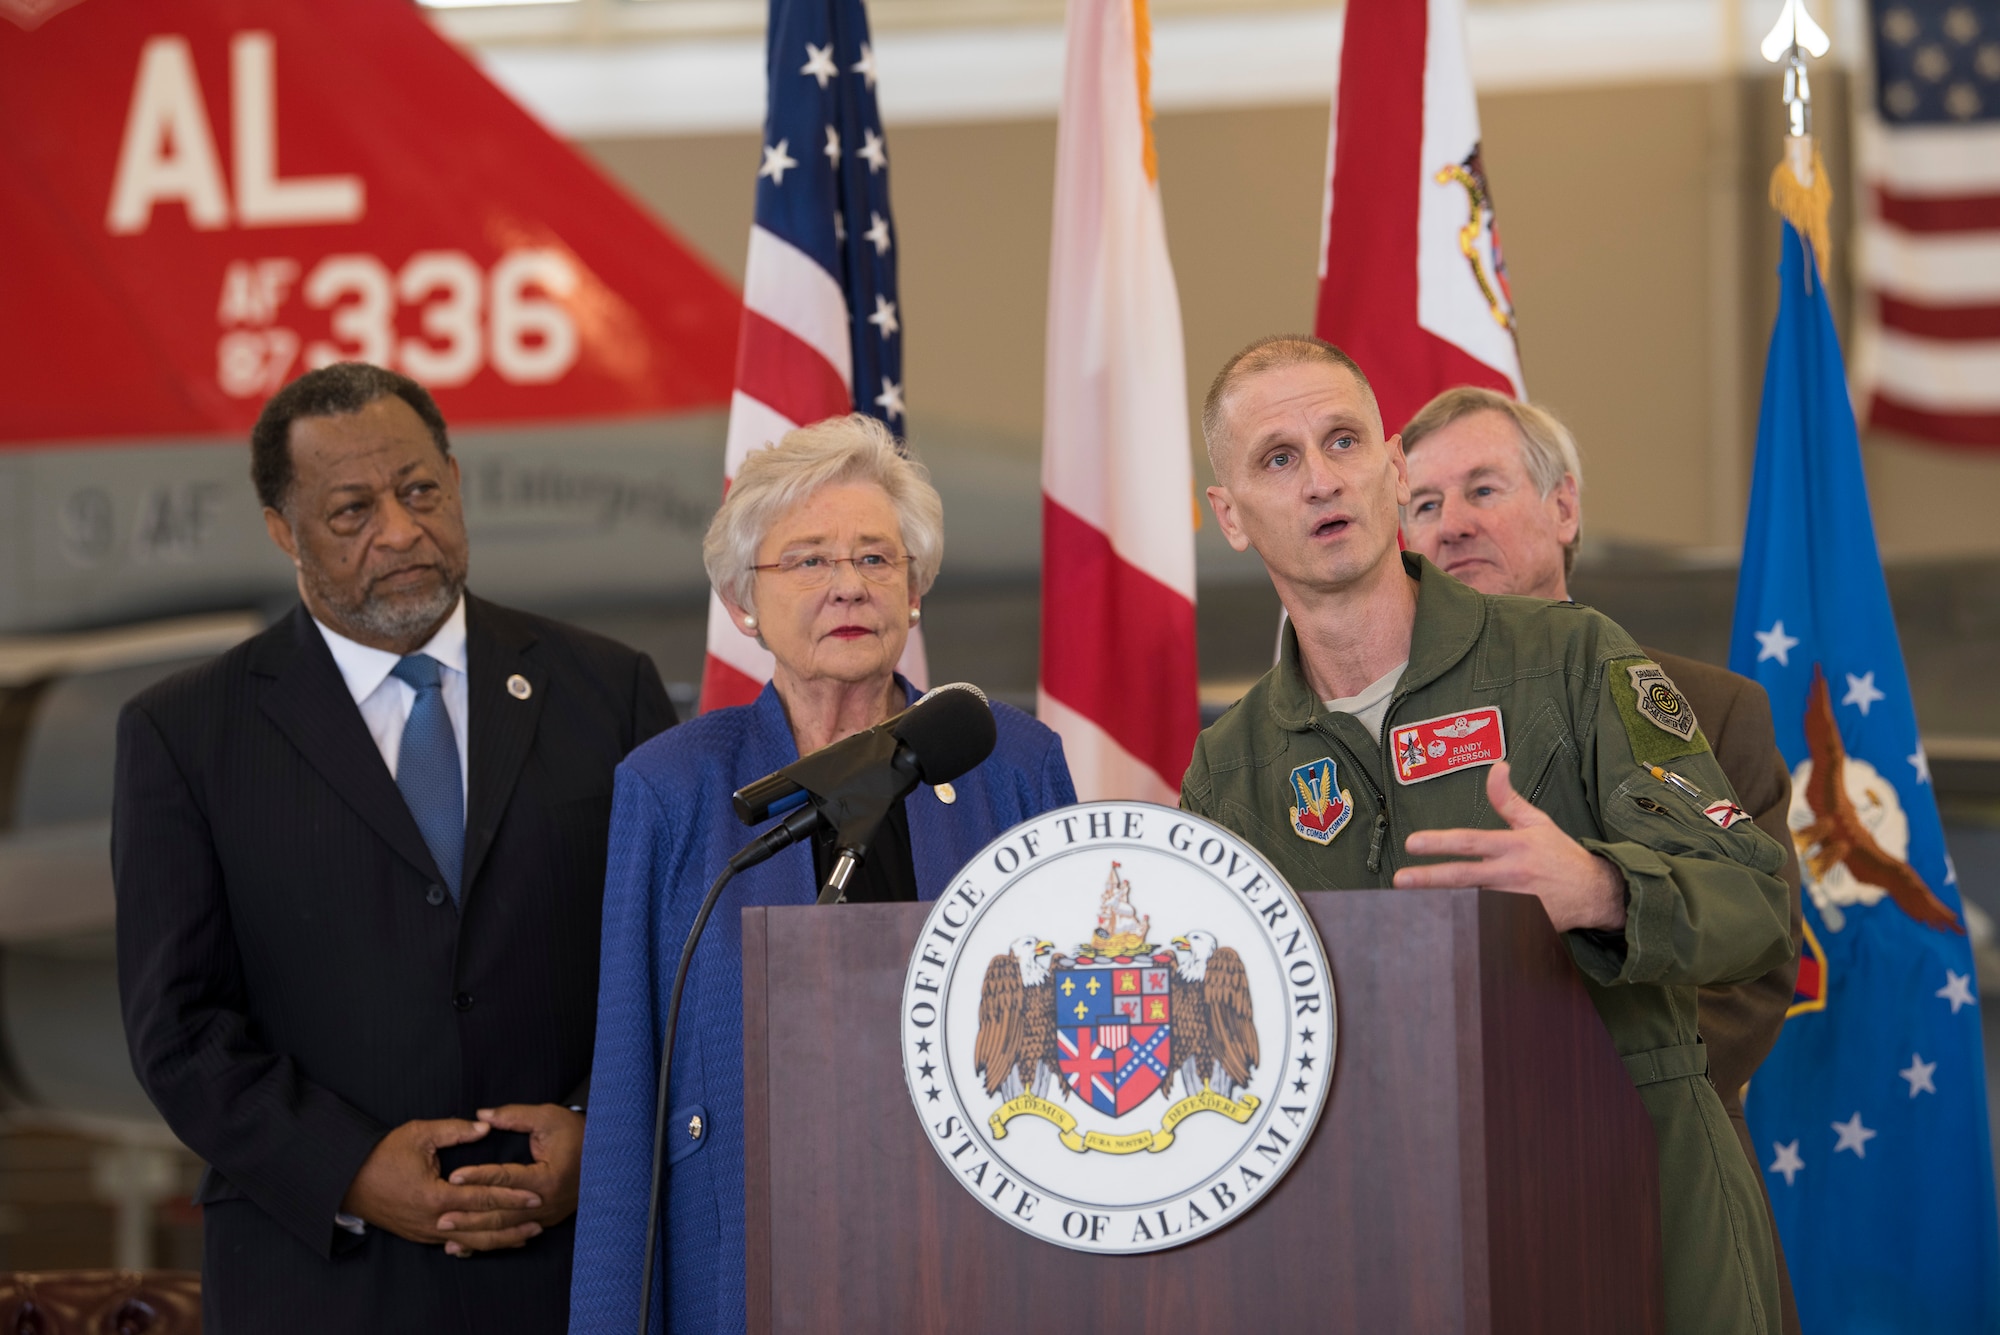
(1791, 39)
(1799, 189)
(1795, 30)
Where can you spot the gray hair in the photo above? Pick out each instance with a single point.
(1548, 450)
(856, 448)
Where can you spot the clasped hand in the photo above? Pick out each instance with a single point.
(483, 1207)
(1532, 856)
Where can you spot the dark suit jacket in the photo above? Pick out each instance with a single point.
(295, 983)
(1740, 1024)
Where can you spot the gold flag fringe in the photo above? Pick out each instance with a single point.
(1805, 207)
(1142, 41)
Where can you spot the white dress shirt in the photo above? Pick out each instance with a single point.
(384, 701)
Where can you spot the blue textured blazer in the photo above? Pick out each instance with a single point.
(672, 830)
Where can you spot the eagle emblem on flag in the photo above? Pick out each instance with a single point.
(1851, 832)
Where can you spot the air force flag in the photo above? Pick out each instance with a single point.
(1870, 1115)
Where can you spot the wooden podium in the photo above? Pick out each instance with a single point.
(1483, 1165)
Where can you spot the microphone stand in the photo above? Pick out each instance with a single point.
(789, 831)
(857, 818)
(844, 862)
(858, 812)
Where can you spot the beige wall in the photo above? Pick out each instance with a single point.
(1639, 244)
(1607, 233)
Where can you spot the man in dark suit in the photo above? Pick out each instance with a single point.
(359, 864)
(1496, 501)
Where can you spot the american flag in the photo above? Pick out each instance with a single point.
(822, 329)
(1930, 228)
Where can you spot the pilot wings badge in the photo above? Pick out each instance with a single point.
(1051, 1077)
(1323, 809)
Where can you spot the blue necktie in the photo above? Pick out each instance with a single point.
(427, 768)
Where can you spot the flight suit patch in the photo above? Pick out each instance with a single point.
(1725, 813)
(1659, 703)
(1435, 747)
(1658, 718)
(1323, 808)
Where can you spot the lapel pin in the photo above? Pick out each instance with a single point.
(517, 686)
(946, 793)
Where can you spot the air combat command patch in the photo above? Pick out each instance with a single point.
(1323, 808)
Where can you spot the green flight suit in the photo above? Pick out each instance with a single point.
(1703, 903)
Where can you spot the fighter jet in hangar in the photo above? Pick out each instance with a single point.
(205, 198)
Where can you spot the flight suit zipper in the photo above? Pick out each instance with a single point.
(1377, 837)
(1382, 799)
(1375, 841)
(1534, 795)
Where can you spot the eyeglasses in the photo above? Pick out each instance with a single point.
(814, 570)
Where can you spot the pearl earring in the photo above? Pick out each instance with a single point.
(749, 622)
(916, 615)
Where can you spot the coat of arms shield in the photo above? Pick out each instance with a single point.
(1114, 1026)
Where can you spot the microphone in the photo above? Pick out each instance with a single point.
(937, 739)
(941, 736)
(853, 783)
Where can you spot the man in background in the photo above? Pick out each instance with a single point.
(359, 863)
(1496, 490)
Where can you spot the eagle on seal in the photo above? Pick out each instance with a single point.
(1215, 1036)
(1016, 1049)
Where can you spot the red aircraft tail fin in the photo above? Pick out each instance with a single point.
(211, 196)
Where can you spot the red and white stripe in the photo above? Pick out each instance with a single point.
(1397, 291)
(794, 365)
(1928, 361)
(1118, 649)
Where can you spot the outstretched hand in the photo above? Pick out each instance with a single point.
(555, 1142)
(1532, 856)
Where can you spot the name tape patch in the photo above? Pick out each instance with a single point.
(1438, 746)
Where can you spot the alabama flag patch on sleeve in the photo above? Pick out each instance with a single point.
(1725, 813)
(1438, 746)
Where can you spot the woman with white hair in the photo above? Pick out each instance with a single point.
(823, 551)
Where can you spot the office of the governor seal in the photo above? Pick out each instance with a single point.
(1118, 1027)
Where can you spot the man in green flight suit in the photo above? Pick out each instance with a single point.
(1390, 733)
